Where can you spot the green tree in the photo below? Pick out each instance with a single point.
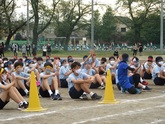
(9, 24)
(97, 27)
(138, 11)
(70, 16)
(43, 15)
(108, 28)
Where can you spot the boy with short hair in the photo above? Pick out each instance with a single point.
(22, 79)
(78, 83)
(157, 76)
(49, 84)
(64, 73)
(126, 82)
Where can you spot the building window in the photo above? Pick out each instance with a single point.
(123, 29)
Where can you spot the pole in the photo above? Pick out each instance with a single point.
(92, 27)
(161, 28)
(28, 21)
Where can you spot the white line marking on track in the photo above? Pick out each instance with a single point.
(80, 108)
(120, 114)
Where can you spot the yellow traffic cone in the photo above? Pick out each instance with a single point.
(34, 102)
(109, 94)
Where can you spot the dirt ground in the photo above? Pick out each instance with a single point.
(145, 108)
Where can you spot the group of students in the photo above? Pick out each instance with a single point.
(78, 77)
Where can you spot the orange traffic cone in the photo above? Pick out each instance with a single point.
(34, 102)
(109, 94)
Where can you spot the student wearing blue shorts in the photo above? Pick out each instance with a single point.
(78, 83)
(129, 84)
(63, 74)
(22, 79)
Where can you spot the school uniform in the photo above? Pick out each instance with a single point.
(157, 80)
(62, 72)
(2, 103)
(74, 94)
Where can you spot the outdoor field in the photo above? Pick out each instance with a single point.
(145, 108)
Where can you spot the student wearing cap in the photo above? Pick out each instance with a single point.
(49, 84)
(147, 68)
(64, 73)
(157, 76)
(8, 91)
(127, 83)
(78, 83)
(9, 67)
(22, 79)
(85, 60)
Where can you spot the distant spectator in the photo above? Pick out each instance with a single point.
(135, 48)
(15, 49)
(28, 49)
(49, 49)
(24, 50)
(140, 48)
(1, 50)
(44, 50)
(116, 53)
(34, 50)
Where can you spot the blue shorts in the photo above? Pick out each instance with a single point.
(45, 93)
(74, 94)
(2, 104)
(64, 83)
(94, 85)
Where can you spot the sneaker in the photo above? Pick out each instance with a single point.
(123, 90)
(58, 97)
(95, 96)
(21, 107)
(138, 91)
(102, 87)
(83, 97)
(25, 105)
(144, 83)
(147, 88)
(53, 97)
(27, 95)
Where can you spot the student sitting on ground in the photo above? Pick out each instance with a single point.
(79, 83)
(97, 80)
(49, 84)
(112, 65)
(31, 66)
(126, 83)
(147, 68)
(22, 79)
(64, 73)
(157, 76)
(8, 90)
(136, 76)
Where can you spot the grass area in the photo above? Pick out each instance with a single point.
(82, 53)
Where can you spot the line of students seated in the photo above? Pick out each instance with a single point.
(78, 77)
